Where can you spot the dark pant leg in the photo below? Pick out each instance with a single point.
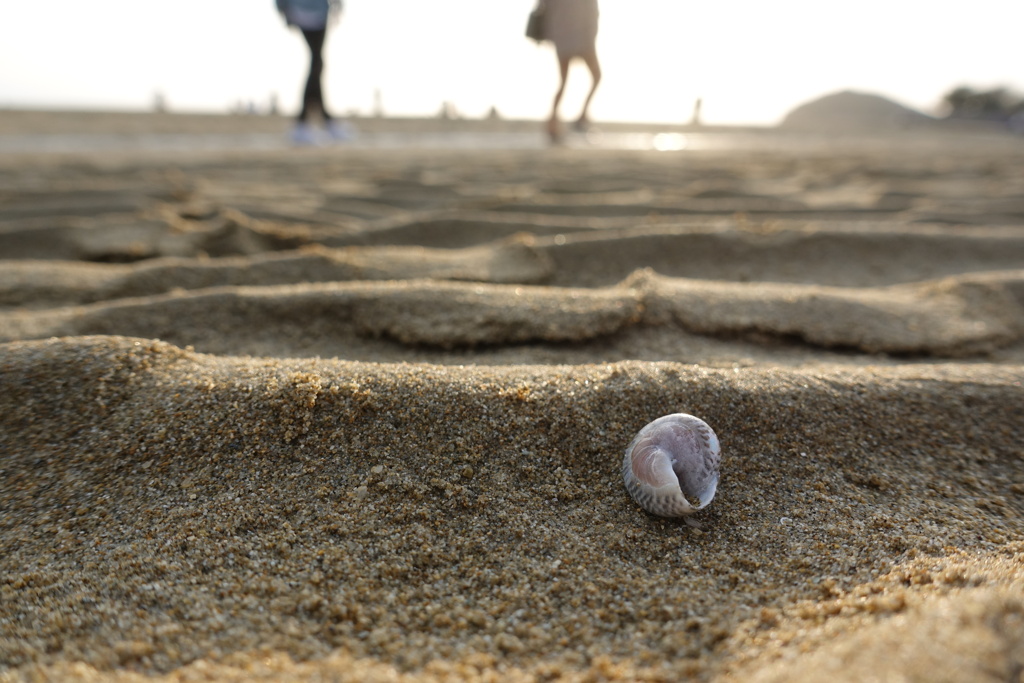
(313, 97)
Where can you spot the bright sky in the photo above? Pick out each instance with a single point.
(750, 61)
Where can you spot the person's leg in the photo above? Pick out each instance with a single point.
(563, 73)
(313, 97)
(595, 75)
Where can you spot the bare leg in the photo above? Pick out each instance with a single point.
(595, 75)
(563, 72)
(313, 96)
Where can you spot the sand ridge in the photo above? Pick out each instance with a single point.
(365, 505)
(955, 317)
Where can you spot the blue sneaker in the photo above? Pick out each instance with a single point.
(341, 131)
(302, 134)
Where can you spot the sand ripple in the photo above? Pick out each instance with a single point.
(191, 490)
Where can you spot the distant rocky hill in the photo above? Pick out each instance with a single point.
(850, 110)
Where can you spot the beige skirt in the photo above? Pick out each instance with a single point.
(572, 26)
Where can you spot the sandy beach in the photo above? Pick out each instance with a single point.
(358, 413)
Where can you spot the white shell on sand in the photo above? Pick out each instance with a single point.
(671, 466)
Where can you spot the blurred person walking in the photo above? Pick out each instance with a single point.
(312, 17)
(571, 25)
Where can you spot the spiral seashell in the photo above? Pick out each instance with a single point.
(671, 466)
